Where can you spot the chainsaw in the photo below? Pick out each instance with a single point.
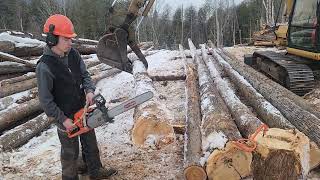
(89, 118)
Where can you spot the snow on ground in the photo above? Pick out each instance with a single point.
(40, 157)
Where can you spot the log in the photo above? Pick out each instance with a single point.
(85, 49)
(228, 160)
(10, 58)
(21, 98)
(246, 121)
(6, 46)
(193, 169)
(281, 154)
(278, 89)
(18, 87)
(268, 113)
(151, 119)
(14, 69)
(302, 116)
(12, 116)
(168, 78)
(84, 41)
(28, 51)
(39, 123)
(23, 133)
(105, 74)
(24, 77)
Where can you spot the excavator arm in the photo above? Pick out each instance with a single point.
(112, 47)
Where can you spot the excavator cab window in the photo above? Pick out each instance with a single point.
(303, 25)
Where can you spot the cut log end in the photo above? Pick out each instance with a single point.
(152, 131)
(284, 153)
(230, 163)
(195, 173)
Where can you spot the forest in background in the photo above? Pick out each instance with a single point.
(221, 21)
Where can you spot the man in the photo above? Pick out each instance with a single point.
(120, 32)
(64, 87)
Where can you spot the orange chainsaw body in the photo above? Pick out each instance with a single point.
(79, 122)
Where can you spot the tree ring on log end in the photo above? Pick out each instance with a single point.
(195, 173)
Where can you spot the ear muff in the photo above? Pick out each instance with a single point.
(51, 39)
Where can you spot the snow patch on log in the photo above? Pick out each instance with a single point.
(21, 42)
(215, 140)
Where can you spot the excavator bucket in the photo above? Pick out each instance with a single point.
(112, 50)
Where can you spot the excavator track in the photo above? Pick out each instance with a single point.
(295, 76)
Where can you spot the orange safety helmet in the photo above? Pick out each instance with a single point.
(62, 26)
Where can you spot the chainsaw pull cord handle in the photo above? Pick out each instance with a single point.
(249, 145)
(85, 110)
(83, 116)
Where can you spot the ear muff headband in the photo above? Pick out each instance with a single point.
(51, 39)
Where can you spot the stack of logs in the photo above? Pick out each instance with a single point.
(218, 118)
(21, 116)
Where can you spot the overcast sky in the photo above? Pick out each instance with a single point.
(177, 3)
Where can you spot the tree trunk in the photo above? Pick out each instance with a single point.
(11, 116)
(299, 112)
(23, 133)
(18, 87)
(265, 110)
(151, 119)
(193, 145)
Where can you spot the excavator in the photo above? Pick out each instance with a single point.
(299, 66)
(112, 47)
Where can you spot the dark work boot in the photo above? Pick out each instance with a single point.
(103, 173)
(82, 169)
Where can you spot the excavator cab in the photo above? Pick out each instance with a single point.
(303, 32)
(112, 47)
(298, 68)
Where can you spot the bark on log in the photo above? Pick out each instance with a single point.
(244, 118)
(27, 51)
(6, 46)
(151, 119)
(216, 117)
(23, 133)
(168, 78)
(14, 69)
(301, 115)
(85, 49)
(14, 115)
(105, 74)
(18, 87)
(10, 58)
(21, 98)
(193, 169)
(10, 81)
(268, 113)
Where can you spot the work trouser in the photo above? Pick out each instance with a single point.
(70, 153)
